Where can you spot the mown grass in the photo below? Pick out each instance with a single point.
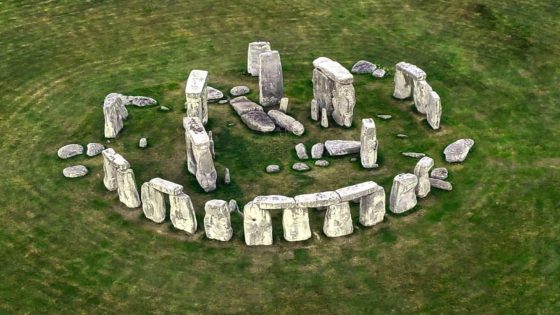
(490, 246)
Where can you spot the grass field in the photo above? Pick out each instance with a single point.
(491, 246)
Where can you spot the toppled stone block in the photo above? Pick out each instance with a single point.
(342, 147)
(286, 122)
(457, 151)
(258, 121)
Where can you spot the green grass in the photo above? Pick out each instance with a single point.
(490, 246)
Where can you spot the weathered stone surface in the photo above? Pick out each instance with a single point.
(255, 49)
(422, 171)
(120, 162)
(286, 122)
(385, 117)
(166, 186)
(301, 151)
(368, 143)
(273, 202)
(94, 149)
(243, 105)
(421, 94)
(114, 112)
(214, 94)
(196, 94)
(458, 150)
(139, 101)
(317, 150)
(142, 143)
(239, 90)
(403, 194)
(433, 110)
(344, 100)
(300, 167)
(258, 121)
(324, 118)
(322, 163)
(322, 90)
(109, 170)
(352, 192)
(439, 173)
(405, 76)
(257, 225)
(440, 184)
(75, 171)
(271, 82)
(284, 104)
(314, 110)
(127, 190)
(182, 213)
(338, 220)
(372, 207)
(70, 150)
(362, 67)
(295, 222)
(227, 176)
(333, 70)
(414, 155)
(379, 73)
(315, 200)
(153, 203)
(199, 155)
(217, 221)
(232, 206)
(273, 168)
(342, 147)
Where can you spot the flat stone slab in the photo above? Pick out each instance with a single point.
(439, 173)
(274, 202)
(239, 90)
(94, 149)
(315, 200)
(411, 70)
(214, 94)
(300, 167)
(414, 155)
(244, 107)
(70, 150)
(342, 147)
(363, 67)
(166, 186)
(75, 171)
(349, 193)
(441, 184)
(273, 168)
(457, 151)
(258, 121)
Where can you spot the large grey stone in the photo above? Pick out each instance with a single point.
(166, 186)
(258, 121)
(295, 222)
(300, 167)
(440, 184)
(182, 213)
(214, 94)
(317, 150)
(316, 200)
(403, 193)
(433, 110)
(422, 171)
(342, 147)
(439, 173)
(109, 170)
(422, 95)
(94, 149)
(372, 207)
(405, 76)
(368, 143)
(458, 150)
(363, 67)
(114, 112)
(196, 94)
(356, 191)
(153, 203)
(333, 70)
(344, 100)
(338, 220)
(257, 225)
(75, 171)
(286, 122)
(217, 221)
(301, 151)
(127, 190)
(239, 90)
(253, 52)
(242, 105)
(271, 82)
(139, 101)
(199, 154)
(273, 202)
(70, 150)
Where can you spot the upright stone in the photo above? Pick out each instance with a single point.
(284, 105)
(271, 82)
(422, 172)
(406, 77)
(338, 220)
(433, 110)
(295, 222)
(217, 222)
(199, 156)
(127, 190)
(422, 94)
(324, 118)
(196, 93)
(253, 52)
(372, 207)
(182, 213)
(368, 143)
(109, 170)
(153, 203)
(257, 225)
(114, 112)
(403, 194)
(317, 150)
(227, 177)
(286, 122)
(314, 110)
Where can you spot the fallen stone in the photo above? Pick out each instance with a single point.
(439, 173)
(140, 101)
(362, 67)
(316, 200)
(223, 101)
(153, 203)
(322, 163)
(301, 151)
(385, 117)
(283, 105)
(253, 52)
(243, 106)
(400, 135)
(342, 147)
(441, 184)
(286, 122)
(457, 151)
(317, 150)
(300, 167)
(127, 190)
(143, 143)
(239, 90)
(70, 150)
(295, 222)
(182, 213)
(414, 155)
(75, 171)
(379, 73)
(271, 82)
(258, 121)
(94, 149)
(403, 194)
(214, 94)
(217, 221)
(273, 168)
(422, 171)
(257, 225)
(338, 220)
(166, 186)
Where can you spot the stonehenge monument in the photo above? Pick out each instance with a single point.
(403, 193)
(368, 144)
(333, 91)
(119, 176)
(271, 81)
(411, 81)
(196, 94)
(217, 221)
(199, 156)
(114, 112)
(422, 172)
(253, 61)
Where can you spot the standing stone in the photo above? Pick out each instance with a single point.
(301, 151)
(295, 222)
(314, 110)
(196, 94)
(458, 150)
(406, 75)
(284, 104)
(109, 170)
(368, 144)
(227, 178)
(199, 155)
(143, 143)
(286, 122)
(433, 110)
(403, 193)
(257, 225)
(338, 220)
(232, 206)
(317, 150)
(127, 190)
(344, 100)
(217, 222)
(114, 112)
(94, 149)
(182, 213)
(255, 49)
(422, 95)
(422, 171)
(439, 173)
(372, 207)
(324, 118)
(271, 82)
(70, 150)
(153, 203)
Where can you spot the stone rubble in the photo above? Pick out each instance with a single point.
(286, 122)
(379, 73)
(271, 82)
(242, 105)
(232, 206)
(384, 117)
(196, 94)
(440, 184)
(457, 151)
